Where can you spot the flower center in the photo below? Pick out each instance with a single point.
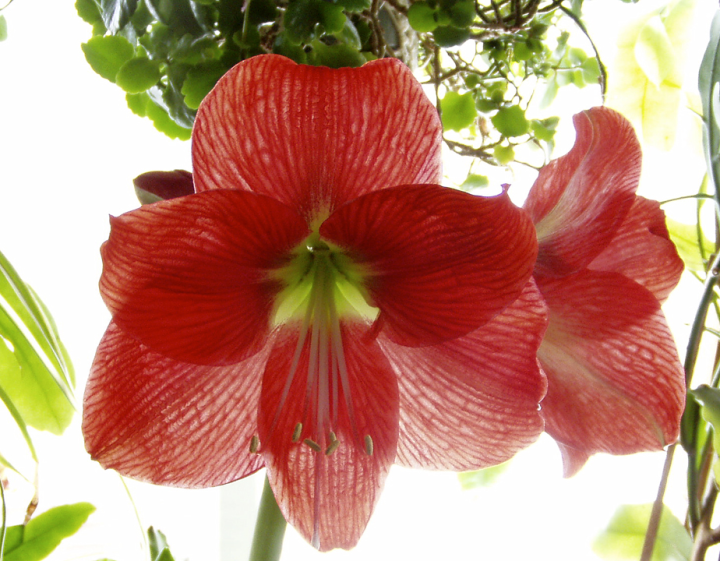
(322, 286)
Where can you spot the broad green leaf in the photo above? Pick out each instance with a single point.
(462, 13)
(177, 15)
(646, 75)
(159, 548)
(138, 75)
(654, 51)
(623, 538)
(9, 367)
(511, 121)
(39, 537)
(474, 181)
(458, 111)
(421, 17)
(164, 123)
(685, 238)
(3, 28)
(106, 55)
(41, 389)
(335, 56)
(89, 11)
(545, 129)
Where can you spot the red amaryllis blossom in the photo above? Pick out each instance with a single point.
(318, 306)
(605, 264)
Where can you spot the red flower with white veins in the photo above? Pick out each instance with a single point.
(318, 306)
(605, 264)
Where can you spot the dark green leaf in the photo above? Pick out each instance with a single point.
(106, 55)
(177, 15)
(199, 81)
(138, 75)
(449, 36)
(623, 538)
(355, 5)
(43, 534)
(421, 17)
(116, 13)
(458, 111)
(511, 121)
(462, 13)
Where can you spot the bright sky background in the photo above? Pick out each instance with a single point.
(69, 149)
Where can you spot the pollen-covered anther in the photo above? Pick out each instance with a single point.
(312, 445)
(368, 445)
(254, 444)
(297, 432)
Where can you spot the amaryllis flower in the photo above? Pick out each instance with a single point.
(319, 306)
(605, 264)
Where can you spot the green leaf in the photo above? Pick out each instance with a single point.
(474, 181)
(421, 17)
(511, 121)
(709, 398)
(623, 538)
(462, 13)
(41, 389)
(709, 82)
(685, 238)
(335, 56)
(39, 537)
(654, 51)
(3, 28)
(164, 123)
(89, 11)
(450, 36)
(504, 154)
(545, 129)
(138, 75)
(177, 15)
(159, 548)
(458, 111)
(355, 5)
(106, 55)
(116, 13)
(199, 81)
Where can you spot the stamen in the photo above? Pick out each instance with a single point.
(254, 444)
(312, 445)
(334, 444)
(368, 445)
(297, 432)
(333, 436)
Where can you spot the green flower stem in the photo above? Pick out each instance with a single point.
(269, 528)
(3, 528)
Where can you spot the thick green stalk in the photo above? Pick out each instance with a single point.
(269, 528)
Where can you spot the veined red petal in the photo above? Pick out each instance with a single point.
(579, 200)
(472, 402)
(615, 382)
(441, 262)
(329, 497)
(189, 278)
(642, 251)
(315, 137)
(167, 422)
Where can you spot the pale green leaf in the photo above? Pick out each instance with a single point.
(106, 55)
(654, 51)
(458, 111)
(623, 538)
(3, 28)
(37, 539)
(685, 238)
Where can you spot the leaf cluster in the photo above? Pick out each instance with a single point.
(168, 54)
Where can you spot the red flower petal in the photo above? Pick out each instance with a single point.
(315, 137)
(579, 200)
(442, 262)
(188, 277)
(472, 402)
(165, 184)
(615, 382)
(642, 251)
(573, 459)
(167, 422)
(329, 498)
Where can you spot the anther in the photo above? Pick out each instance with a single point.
(312, 445)
(297, 432)
(254, 444)
(368, 445)
(334, 443)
